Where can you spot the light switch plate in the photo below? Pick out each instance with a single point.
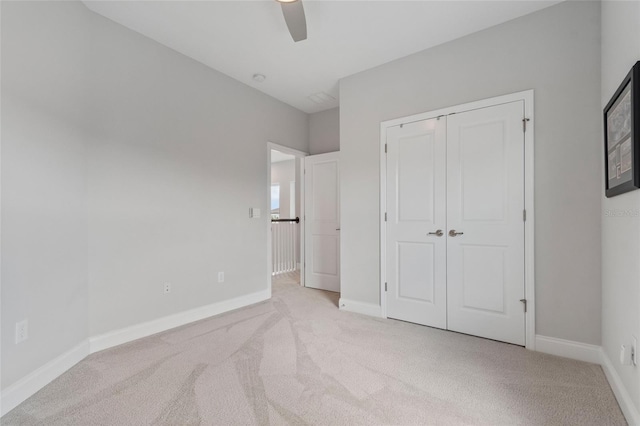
(625, 355)
(254, 212)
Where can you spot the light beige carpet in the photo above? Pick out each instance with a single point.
(297, 359)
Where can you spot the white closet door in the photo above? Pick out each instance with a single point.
(322, 222)
(485, 202)
(416, 215)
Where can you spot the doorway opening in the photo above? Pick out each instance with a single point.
(286, 223)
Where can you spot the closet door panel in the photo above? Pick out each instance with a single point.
(416, 210)
(485, 239)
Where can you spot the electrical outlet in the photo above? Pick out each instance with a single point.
(22, 331)
(220, 277)
(634, 350)
(167, 288)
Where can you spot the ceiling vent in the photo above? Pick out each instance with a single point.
(322, 98)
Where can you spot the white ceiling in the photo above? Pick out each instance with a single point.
(242, 37)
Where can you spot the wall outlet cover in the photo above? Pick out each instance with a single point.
(167, 288)
(220, 277)
(22, 331)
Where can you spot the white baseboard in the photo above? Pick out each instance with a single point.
(360, 307)
(569, 349)
(18, 392)
(629, 409)
(138, 331)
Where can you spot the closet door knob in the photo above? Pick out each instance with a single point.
(438, 233)
(453, 233)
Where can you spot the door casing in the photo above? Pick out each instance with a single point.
(529, 278)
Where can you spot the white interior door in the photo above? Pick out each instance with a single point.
(416, 222)
(485, 238)
(322, 221)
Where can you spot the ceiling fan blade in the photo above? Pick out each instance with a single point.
(294, 17)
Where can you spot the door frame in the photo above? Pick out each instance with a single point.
(529, 229)
(300, 162)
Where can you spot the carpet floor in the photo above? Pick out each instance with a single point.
(296, 359)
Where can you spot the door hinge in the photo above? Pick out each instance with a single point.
(524, 302)
(385, 216)
(524, 215)
(385, 286)
(385, 148)
(524, 124)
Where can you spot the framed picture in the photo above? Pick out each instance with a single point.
(622, 136)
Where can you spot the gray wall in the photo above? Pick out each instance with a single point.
(44, 191)
(556, 52)
(620, 232)
(324, 131)
(179, 156)
(125, 165)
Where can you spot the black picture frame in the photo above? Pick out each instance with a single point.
(622, 136)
